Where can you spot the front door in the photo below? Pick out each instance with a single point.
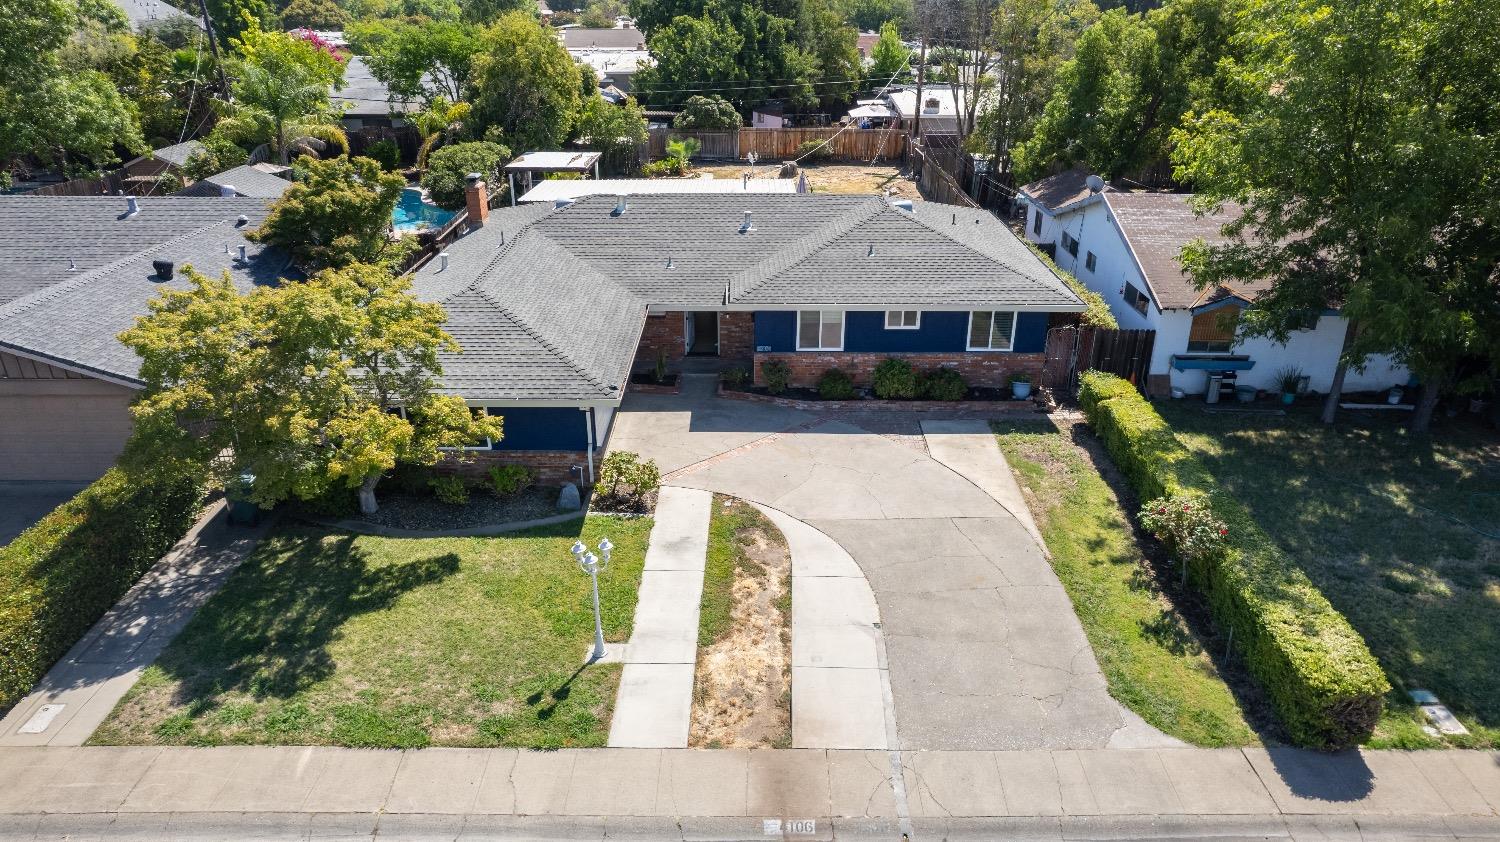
(703, 333)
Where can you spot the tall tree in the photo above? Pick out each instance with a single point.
(889, 58)
(336, 213)
(963, 31)
(1363, 158)
(823, 35)
(307, 386)
(526, 85)
(284, 80)
(428, 59)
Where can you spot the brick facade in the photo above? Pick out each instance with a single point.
(978, 368)
(737, 335)
(663, 332)
(552, 467)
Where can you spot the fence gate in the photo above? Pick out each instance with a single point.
(1072, 349)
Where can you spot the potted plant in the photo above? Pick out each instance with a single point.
(1288, 378)
(1020, 386)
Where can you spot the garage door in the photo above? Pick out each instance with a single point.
(61, 430)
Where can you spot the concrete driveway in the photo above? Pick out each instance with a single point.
(983, 646)
(24, 503)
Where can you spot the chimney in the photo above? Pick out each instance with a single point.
(226, 191)
(442, 261)
(477, 200)
(132, 207)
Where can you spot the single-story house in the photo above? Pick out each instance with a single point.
(554, 305)
(158, 162)
(75, 271)
(1125, 246)
(938, 108)
(584, 38)
(251, 181)
(613, 68)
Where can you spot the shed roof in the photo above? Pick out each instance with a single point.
(247, 180)
(556, 189)
(554, 161)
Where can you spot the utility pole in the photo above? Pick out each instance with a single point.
(213, 44)
(916, 130)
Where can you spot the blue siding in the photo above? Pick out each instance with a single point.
(542, 428)
(776, 330)
(1031, 333)
(864, 330)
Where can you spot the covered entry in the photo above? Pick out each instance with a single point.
(702, 333)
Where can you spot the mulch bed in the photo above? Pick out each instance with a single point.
(809, 399)
(425, 512)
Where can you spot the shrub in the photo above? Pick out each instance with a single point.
(835, 385)
(1317, 670)
(944, 384)
(1020, 377)
(509, 480)
(1186, 525)
(448, 170)
(665, 168)
(895, 380)
(659, 371)
(386, 153)
(450, 490)
(623, 473)
(777, 374)
(707, 113)
(813, 150)
(411, 478)
(60, 576)
(735, 378)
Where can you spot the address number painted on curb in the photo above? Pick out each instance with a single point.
(789, 827)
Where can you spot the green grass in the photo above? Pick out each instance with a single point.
(1157, 661)
(322, 638)
(726, 553)
(1398, 532)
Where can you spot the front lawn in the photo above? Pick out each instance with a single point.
(1401, 533)
(1153, 638)
(323, 638)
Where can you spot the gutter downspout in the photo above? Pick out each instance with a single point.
(588, 423)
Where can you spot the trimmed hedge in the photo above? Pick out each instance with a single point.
(60, 576)
(1317, 670)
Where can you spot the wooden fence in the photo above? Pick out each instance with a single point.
(782, 144)
(934, 180)
(1072, 349)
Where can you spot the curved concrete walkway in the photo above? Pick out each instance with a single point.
(983, 647)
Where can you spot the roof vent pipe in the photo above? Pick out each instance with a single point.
(561, 203)
(72, 265)
(621, 205)
(242, 257)
(902, 205)
(871, 252)
(164, 269)
(226, 191)
(132, 207)
(745, 180)
(442, 261)
(747, 226)
(669, 263)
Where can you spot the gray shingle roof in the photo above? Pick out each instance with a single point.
(76, 321)
(177, 154)
(583, 38)
(246, 180)
(39, 235)
(1156, 227)
(144, 13)
(364, 95)
(1060, 190)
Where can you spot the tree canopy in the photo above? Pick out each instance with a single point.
(1363, 153)
(284, 80)
(300, 384)
(526, 85)
(707, 114)
(889, 58)
(428, 59)
(449, 167)
(615, 130)
(336, 213)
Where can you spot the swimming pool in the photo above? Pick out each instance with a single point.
(412, 214)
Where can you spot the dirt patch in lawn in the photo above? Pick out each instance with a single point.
(742, 689)
(832, 178)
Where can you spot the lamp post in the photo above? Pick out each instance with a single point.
(592, 565)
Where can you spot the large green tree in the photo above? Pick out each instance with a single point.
(336, 213)
(707, 114)
(615, 130)
(449, 168)
(308, 386)
(889, 58)
(1127, 87)
(429, 59)
(1363, 156)
(526, 85)
(285, 81)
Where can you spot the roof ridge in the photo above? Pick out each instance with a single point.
(47, 293)
(996, 261)
(747, 280)
(506, 245)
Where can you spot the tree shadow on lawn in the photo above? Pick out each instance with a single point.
(1388, 526)
(267, 633)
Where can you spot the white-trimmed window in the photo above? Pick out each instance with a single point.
(990, 330)
(903, 319)
(820, 330)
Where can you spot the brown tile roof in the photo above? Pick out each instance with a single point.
(1061, 189)
(1157, 226)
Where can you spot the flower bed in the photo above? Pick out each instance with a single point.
(808, 399)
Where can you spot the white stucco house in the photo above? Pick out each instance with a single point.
(1125, 246)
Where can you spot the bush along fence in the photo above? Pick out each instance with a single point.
(1325, 685)
(60, 576)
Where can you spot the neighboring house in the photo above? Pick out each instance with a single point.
(75, 271)
(865, 42)
(144, 13)
(581, 38)
(251, 181)
(939, 113)
(769, 115)
(554, 306)
(366, 101)
(1125, 247)
(1044, 200)
(613, 68)
(569, 189)
(159, 162)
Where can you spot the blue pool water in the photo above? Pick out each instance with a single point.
(412, 213)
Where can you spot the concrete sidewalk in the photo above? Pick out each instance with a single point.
(81, 689)
(654, 706)
(949, 791)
